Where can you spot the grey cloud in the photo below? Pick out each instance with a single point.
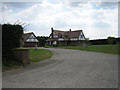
(76, 4)
(18, 5)
(107, 4)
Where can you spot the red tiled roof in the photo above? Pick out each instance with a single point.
(70, 34)
(74, 34)
(52, 39)
(26, 36)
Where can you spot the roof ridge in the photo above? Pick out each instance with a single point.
(76, 30)
(59, 30)
(67, 31)
(28, 33)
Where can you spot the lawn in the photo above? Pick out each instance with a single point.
(40, 54)
(113, 49)
(35, 56)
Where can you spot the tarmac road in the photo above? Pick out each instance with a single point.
(67, 69)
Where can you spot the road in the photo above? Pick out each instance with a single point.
(67, 69)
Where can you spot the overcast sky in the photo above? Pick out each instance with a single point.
(97, 20)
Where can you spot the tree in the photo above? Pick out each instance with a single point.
(87, 41)
(42, 40)
(111, 40)
(58, 43)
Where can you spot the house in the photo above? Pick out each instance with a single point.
(30, 40)
(73, 38)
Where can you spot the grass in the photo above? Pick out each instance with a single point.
(21, 48)
(113, 49)
(8, 65)
(35, 56)
(40, 54)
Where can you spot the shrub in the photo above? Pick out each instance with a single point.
(111, 40)
(87, 41)
(47, 46)
(58, 43)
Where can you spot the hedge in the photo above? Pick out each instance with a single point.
(11, 35)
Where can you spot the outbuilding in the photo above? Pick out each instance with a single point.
(30, 40)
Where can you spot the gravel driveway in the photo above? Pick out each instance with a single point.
(67, 69)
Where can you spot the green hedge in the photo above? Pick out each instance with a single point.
(11, 35)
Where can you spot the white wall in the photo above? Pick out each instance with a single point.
(81, 38)
(61, 39)
(32, 38)
(55, 42)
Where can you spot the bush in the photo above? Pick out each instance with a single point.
(58, 44)
(111, 40)
(47, 46)
(87, 41)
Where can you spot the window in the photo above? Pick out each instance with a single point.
(59, 35)
(55, 42)
(54, 35)
(81, 36)
(61, 39)
(66, 36)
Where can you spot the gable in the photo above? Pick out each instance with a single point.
(32, 38)
(81, 37)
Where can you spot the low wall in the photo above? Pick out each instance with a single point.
(22, 56)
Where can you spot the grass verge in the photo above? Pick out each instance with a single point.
(113, 49)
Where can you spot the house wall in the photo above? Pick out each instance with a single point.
(71, 43)
(75, 43)
(30, 44)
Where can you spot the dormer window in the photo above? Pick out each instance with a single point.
(54, 35)
(66, 36)
(60, 35)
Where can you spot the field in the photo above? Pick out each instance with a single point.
(113, 49)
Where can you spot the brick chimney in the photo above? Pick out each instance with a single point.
(70, 30)
(52, 32)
